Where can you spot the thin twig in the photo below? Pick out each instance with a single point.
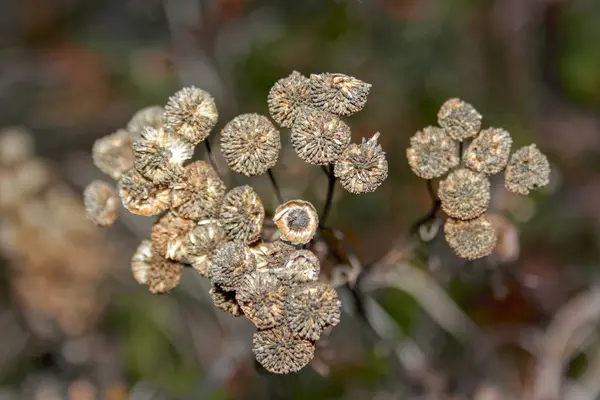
(330, 190)
(211, 157)
(431, 216)
(275, 186)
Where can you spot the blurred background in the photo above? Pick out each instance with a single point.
(520, 324)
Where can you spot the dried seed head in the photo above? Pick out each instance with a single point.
(169, 234)
(101, 203)
(319, 137)
(113, 154)
(16, 146)
(260, 295)
(140, 196)
(432, 153)
(302, 266)
(250, 144)
(225, 300)
(230, 262)
(242, 214)
(200, 193)
(465, 194)
(362, 167)
(190, 114)
(270, 256)
(470, 239)
(164, 275)
(159, 157)
(460, 120)
(297, 220)
(281, 353)
(489, 152)
(338, 94)
(202, 242)
(310, 308)
(287, 97)
(151, 116)
(528, 170)
(142, 261)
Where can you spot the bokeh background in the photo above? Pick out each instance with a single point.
(521, 324)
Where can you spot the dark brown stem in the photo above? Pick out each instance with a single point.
(436, 203)
(275, 186)
(330, 190)
(211, 157)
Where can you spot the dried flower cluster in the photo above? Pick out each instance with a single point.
(465, 191)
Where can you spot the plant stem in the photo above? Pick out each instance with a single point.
(275, 186)
(436, 204)
(211, 157)
(330, 190)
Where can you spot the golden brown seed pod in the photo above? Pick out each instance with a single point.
(164, 275)
(101, 203)
(489, 151)
(432, 153)
(113, 154)
(470, 239)
(142, 261)
(297, 220)
(16, 146)
(200, 193)
(319, 137)
(190, 114)
(230, 262)
(202, 242)
(302, 266)
(225, 300)
(260, 295)
(310, 308)
(465, 194)
(169, 234)
(460, 120)
(287, 97)
(242, 214)
(528, 169)
(338, 94)
(362, 167)
(140, 196)
(151, 116)
(250, 144)
(159, 157)
(281, 353)
(270, 256)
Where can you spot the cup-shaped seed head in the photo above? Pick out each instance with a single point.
(465, 194)
(432, 153)
(287, 97)
(140, 196)
(470, 239)
(101, 203)
(142, 261)
(281, 353)
(297, 220)
(362, 167)
(190, 114)
(527, 170)
(338, 94)
(460, 120)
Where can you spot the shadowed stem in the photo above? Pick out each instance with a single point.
(211, 157)
(275, 186)
(432, 213)
(330, 190)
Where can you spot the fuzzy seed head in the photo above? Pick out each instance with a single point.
(261, 295)
(190, 115)
(202, 242)
(287, 97)
(151, 116)
(338, 94)
(230, 262)
(164, 275)
(470, 239)
(242, 214)
(460, 120)
(250, 144)
(271, 256)
(528, 169)
(489, 151)
(297, 220)
(140, 196)
(302, 266)
(281, 353)
(142, 261)
(362, 167)
(432, 153)
(101, 203)
(225, 300)
(318, 137)
(16, 146)
(465, 194)
(169, 235)
(113, 154)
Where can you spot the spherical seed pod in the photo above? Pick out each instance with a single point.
(151, 116)
(432, 153)
(242, 214)
(190, 114)
(338, 94)
(460, 120)
(318, 137)
(202, 242)
(287, 97)
(465, 194)
(142, 261)
(297, 220)
(281, 353)
(362, 168)
(199, 194)
(270, 256)
(159, 157)
(489, 152)
(169, 234)
(260, 295)
(250, 144)
(225, 300)
(16, 146)
(470, 239)
(230, 262)
(140, 196)
(310, 308)
(527, 170)
(164, 275)
(113, 154)
(302, 266)
(101, 203)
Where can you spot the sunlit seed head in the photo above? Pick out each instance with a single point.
(489, 151)
(338, 94)
(202, 242)
(169, 234)
(281, 353)
(260, 294)
(151, 116)
(470, 239)
(141, 262)
(297, 220)
(242, 214)
(465, 194)
(460, 120)
(301, 266)
(230, 262)
(362, 168)
(101, 203)
(190, 114)
(164, 275)
(527, 170)
(287, 97)
(113, 154)
(432, 153)
(141, 196)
